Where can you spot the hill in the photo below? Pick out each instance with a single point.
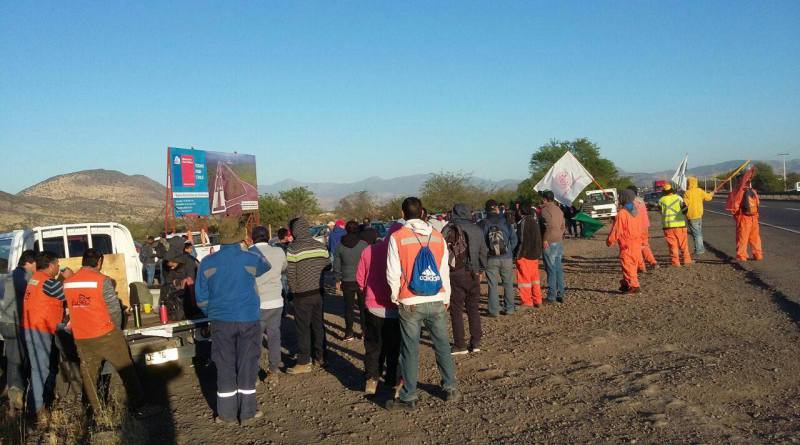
(329, 193)
(643, 179)
(89, 195)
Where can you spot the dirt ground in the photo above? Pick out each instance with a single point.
(701, 355)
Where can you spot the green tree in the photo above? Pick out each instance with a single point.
(357, 205)
(300, 201)
(765, 179)
(444, 189)
(391, 209)
(273, 211)
(587, 152)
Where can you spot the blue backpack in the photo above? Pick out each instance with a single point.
(425, 278)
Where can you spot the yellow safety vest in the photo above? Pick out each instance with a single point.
(671, 214)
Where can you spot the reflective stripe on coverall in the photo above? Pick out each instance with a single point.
(626, 232)
(528, 281)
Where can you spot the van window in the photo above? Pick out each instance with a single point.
(5, 254)
(77, 245)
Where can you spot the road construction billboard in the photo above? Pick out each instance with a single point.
(212, 183)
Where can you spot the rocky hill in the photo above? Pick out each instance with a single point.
(90, 195)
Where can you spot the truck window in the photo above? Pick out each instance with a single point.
(5, 254)
(77, 245)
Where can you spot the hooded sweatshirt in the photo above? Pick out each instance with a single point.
(371, 278)
(529, 231)
(401, 257)
(335, 237)
(694, 198)
(345, 259)
(495, 219)
(269, 285)
(306, 259)
(476, 244)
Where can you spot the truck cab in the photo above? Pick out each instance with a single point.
(601, 204)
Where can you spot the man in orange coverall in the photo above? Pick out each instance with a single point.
(627, 233)
(747, 231)
(644, 224)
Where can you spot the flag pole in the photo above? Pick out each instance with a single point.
(736, 172)
(602, 189)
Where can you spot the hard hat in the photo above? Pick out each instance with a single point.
(667, 187)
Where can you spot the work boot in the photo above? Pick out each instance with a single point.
(223, 421)
(371, 387)
(397, 405)
(249, 421)
(453, 396)
(300, 369)
(15, 398)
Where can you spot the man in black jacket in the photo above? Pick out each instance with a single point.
(529, 251)
(467, 259)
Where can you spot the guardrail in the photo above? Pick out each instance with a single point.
(788, 196)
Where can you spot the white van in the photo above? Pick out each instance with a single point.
(72, 240)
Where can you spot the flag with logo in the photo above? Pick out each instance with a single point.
(566, 179)
(679, 178)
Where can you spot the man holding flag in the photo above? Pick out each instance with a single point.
(743, 203)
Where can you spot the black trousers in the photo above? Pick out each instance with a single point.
(351, 292)
(308, 318)
(381, 342)
(466, 291)
(235, 350)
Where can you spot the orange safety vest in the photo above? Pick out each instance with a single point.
(88, 311)
(408, 246)
(41, 312)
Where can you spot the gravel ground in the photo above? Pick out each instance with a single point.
(700, 355)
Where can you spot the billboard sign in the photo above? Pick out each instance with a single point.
(212, 183)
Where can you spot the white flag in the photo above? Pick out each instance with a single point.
(566, 179)
(679, 178)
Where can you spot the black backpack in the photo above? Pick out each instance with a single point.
(496, 240)
(457, 246)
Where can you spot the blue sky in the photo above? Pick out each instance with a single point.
(338, 91)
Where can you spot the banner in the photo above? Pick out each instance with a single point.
(212, 183)
(679, 178)
(566, 179)
(189, 182)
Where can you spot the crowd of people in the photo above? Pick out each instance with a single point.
(425, 271)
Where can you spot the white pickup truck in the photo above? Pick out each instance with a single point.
(601, 203)
(152, 344)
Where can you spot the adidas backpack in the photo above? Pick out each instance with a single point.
(425, 278)
(497, 241)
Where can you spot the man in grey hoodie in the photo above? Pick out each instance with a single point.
(345, 261)
(466, 266)
(270, 292)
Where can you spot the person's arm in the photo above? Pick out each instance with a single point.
(363, 268)
(291, 271)
(613, 236)
(337, 265)
(483, 254)
(261, 263)
(54, 288)
(444, 271)
(708, 196)
(513, 239)
(112, 302)
(201, 288)
(393, 269)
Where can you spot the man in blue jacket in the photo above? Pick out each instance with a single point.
(226, 293)
(501, 240)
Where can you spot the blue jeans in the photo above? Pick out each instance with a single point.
(434, 317)
(696, 231)
(150, 273)
(43, 377)
(555, 270)
(271, 328)
(14, 350)
(501, 268)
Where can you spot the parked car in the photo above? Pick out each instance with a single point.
(651, 200)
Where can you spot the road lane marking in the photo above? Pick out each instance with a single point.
(762, 223)
(789, 208)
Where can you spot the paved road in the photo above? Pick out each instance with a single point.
(780, 236)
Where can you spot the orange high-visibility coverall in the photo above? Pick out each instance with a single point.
(627, 233)
(528, 281)
(747, 230)
(644, 223)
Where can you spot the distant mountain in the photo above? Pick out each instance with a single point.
(643, 179)
(329, 193)
(89, 195)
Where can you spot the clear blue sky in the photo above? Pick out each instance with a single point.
(338, 91)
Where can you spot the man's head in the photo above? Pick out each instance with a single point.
(412, 208)
(634, 189)
(260, 234)
(47, 262)
(187, 247)
(668, 190)
(92, 258)
(27, 260)
(491, 206)
(284, 235)
(150, 239)
(352, 227)
(548, 196)
(340, 223)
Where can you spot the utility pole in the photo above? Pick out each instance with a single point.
(783, 155)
